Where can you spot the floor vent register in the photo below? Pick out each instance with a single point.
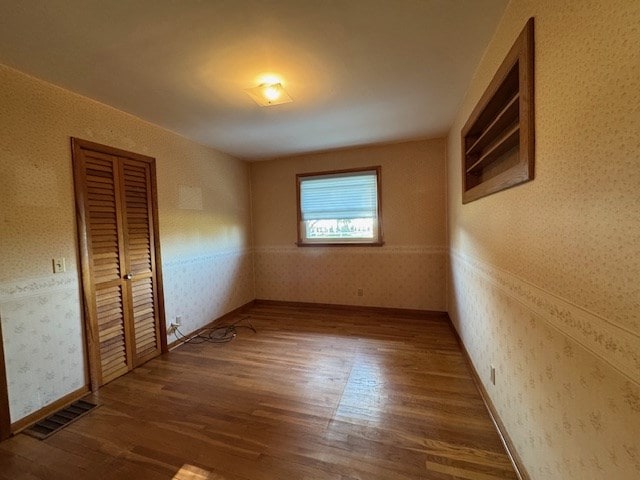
(60, 419)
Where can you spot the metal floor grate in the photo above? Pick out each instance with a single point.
(59, 420)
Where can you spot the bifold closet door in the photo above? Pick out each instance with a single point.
(115, 198)
(139, 252)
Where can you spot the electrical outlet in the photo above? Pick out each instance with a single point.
(177, 322)
(493, 375)
(360, 292)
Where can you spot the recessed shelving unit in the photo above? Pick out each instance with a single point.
(498, 139)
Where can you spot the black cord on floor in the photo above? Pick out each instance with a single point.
(219, 334)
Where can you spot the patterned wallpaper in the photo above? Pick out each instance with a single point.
(395, 277)
(567, 382)
(43, 341)
(544, 276)
(200, 289)
(204, 216)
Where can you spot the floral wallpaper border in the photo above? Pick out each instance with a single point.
(196, 259)
(608, 341)
(38, 286)
(349, 250)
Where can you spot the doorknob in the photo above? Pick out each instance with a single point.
(128, 276)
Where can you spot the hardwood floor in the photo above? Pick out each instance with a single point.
(314, 394)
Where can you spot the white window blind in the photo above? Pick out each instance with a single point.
(339, 196)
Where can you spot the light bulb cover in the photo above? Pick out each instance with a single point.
(268, 94)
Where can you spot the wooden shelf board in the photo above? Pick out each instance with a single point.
(503, 144)
(504, 118)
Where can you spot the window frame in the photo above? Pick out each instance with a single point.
(302, 242)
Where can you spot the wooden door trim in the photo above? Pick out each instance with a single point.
(159, 293)
(88, 307)
(158, 258)
(5, 416)
(91, 334)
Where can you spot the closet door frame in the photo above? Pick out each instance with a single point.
(88, 291)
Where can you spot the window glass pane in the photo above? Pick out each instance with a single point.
(343, 228)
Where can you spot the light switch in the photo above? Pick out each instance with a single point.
(58, 265)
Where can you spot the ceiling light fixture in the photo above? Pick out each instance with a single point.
(267, 94)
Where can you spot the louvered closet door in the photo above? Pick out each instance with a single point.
(115, 220)
(140, 260)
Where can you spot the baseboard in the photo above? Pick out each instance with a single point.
(47, 410)
(226, 316)
(516, 461)
(5, 419)
(407, 312)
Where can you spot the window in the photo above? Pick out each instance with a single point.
(340, 207)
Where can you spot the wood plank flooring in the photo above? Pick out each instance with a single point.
(315, 394)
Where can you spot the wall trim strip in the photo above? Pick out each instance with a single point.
(610, 342)
(354, 250)
(184, 261)
(38, 286)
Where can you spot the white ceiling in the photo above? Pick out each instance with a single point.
(359, 71)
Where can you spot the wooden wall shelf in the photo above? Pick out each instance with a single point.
(498, 139)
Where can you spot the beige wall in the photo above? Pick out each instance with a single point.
(205, 236)
(544, 277)
(407, 272)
